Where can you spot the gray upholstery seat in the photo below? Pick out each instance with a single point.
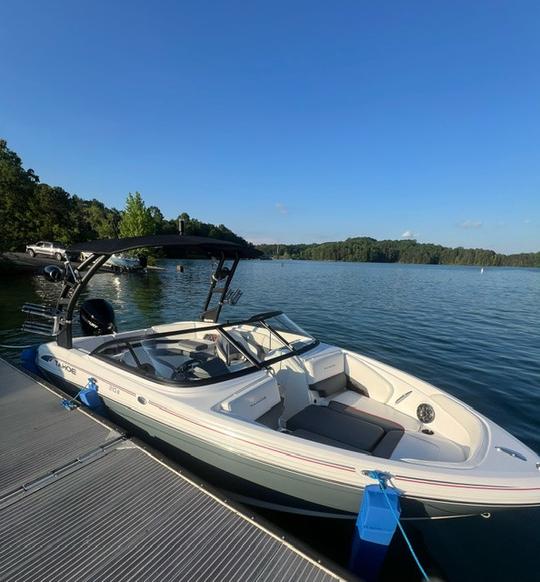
(318, 438)
(271, 418)
(330, 386)
(384, 423)
(346, 428)
(336, 384)
(335, 425)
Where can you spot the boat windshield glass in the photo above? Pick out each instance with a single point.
(292, 333)
(270, 336)
(210, 353)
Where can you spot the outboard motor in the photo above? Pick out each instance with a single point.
(97, 317)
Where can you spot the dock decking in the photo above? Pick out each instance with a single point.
(78, 501)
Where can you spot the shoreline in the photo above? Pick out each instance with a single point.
(16, 262)
(19, 262)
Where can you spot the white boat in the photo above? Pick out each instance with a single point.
(277, 417)
(120, 263)
(124, 263)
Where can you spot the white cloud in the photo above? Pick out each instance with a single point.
(281, 208)
(409, 234)
(527, 221)
(470, 223)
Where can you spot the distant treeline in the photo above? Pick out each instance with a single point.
(32, 211)
(369, 250)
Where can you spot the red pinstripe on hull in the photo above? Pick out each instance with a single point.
(465, 485)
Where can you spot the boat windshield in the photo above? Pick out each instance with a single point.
(270, 335)
(295, 337)
(208, 354)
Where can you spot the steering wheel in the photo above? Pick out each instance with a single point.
(186, 368)
(276, 352)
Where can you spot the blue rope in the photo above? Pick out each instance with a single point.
(383, 479)
(69, 404)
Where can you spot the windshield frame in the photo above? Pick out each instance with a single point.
(256, 364)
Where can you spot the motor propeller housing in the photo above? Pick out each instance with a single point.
(97, 317)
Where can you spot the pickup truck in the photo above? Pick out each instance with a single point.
(53, 250)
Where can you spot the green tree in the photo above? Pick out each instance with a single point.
(366, 249)
(137, 218)
(17, 187)
(49, 211)
(91, 219)
(157, 218)
(30, 210)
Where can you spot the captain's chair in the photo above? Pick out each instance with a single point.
(227, 352)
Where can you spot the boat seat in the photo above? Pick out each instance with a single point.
(148, 363)
(350, 430)
(319, 438)
(337, 384)
(326, 372)
(384, 423)
(271, 418)
(254, 401)
(357, 402)
(330, 386)
(328, 376)
(227, 352)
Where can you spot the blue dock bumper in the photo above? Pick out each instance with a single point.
(89, 397)
(376, 523)
(28, 359)
(375, 526)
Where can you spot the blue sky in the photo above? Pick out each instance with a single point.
(287, 121)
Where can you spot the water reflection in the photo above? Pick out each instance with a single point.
(148, 296)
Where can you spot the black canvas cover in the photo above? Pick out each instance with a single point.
(182, 244)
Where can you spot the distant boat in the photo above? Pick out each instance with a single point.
(482, 271)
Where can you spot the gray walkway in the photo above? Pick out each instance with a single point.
(80, 502)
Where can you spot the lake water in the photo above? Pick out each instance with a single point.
(475, 335)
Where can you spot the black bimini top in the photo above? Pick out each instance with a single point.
(184, 244)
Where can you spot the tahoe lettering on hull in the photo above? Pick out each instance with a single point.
(59, 364)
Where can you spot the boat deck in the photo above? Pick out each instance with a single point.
(78, 501)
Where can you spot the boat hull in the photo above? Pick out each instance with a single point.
(256, 483)
(270, 487)
(260, 484)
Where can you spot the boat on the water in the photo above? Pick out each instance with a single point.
(121, 263)
(274, 415)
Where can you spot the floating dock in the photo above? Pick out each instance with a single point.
(24, 262)
(79, 501)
